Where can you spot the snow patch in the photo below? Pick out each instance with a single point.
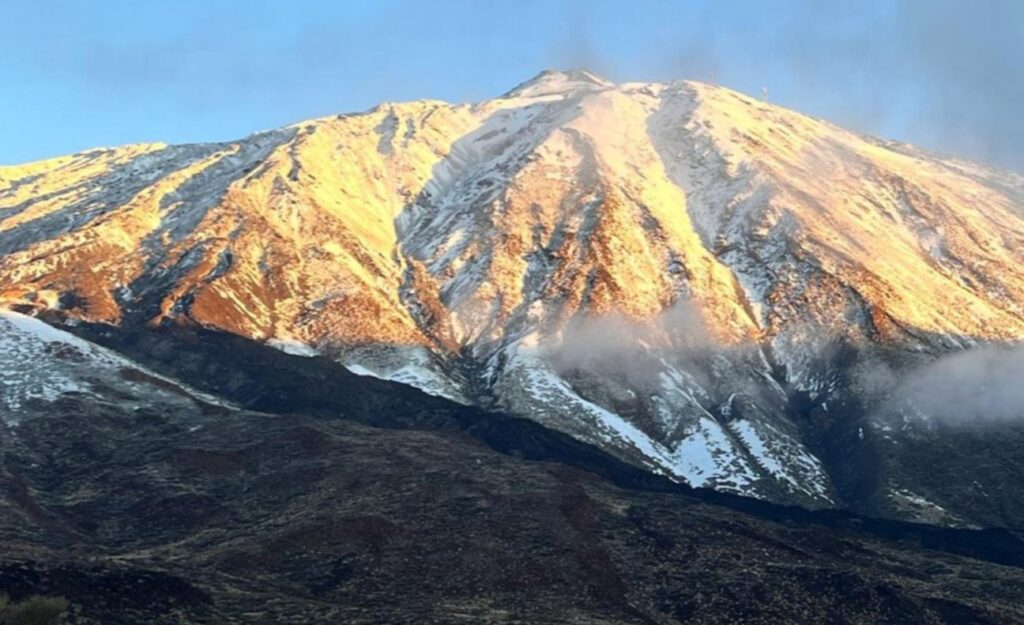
(293, 347)
(790, 463)
(411, 366)
(707, 454)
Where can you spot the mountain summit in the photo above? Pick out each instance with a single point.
(555, 82)
(717, 289)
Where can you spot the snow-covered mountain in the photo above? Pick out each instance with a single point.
(721, 290)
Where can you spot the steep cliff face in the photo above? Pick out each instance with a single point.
(704, 284)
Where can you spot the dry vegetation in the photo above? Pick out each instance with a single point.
(35, 610)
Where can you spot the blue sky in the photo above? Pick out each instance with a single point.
(74, 74)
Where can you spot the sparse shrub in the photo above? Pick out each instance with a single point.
(36, 610)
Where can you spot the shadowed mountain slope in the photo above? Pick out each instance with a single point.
(143, 500)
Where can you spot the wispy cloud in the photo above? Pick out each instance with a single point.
(979, 387)
(942, 73)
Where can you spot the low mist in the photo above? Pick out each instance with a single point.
(618, 345)
(596, 339)
(974, 387)
(979, 386)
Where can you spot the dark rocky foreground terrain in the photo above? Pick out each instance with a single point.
(333, 498)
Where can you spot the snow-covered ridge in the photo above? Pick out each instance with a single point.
(42, 363)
